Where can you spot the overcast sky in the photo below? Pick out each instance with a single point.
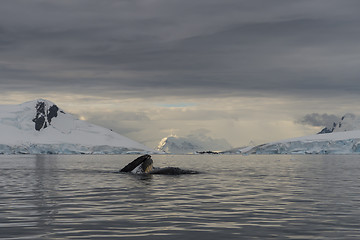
(241, 70)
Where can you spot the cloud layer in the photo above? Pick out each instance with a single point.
(320, 120)
(244, 70)
(180, 47)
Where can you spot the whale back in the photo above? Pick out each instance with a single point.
(144, 165)
(173, 171)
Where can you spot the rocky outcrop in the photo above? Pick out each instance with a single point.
(44, 114)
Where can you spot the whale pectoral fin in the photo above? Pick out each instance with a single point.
(140, 160)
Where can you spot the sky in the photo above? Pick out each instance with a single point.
(247, 71)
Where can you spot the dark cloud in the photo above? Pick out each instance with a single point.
(320, 120)
(161, 47)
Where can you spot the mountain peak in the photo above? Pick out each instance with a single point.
(45, 112)
(348, 122)
(191, 144)
(41, 127)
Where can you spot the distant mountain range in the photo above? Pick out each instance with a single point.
(41, 127)
(342, 137)
(329, 143)
(191, 144)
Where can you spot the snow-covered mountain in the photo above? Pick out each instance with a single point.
(191, 144)
(348, 122)
(329, 143)
(41, 127)
(341, 137)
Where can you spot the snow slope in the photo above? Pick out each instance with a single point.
(191, 144)
(40, 127)
(349, 122)
(329, 143)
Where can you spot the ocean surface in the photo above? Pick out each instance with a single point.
(234, 197)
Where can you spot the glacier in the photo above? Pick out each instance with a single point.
(347, 142)
(41, 127)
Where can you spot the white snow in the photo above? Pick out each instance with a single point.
(349, 122)
(64, 135)
(331, 143)
(191, 144)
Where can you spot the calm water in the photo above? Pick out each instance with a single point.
(235, 197)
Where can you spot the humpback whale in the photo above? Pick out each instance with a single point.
(144, 165)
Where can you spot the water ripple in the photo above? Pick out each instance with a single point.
(235, 197)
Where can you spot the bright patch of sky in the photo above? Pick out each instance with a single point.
(176, 105)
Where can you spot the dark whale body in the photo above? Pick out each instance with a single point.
(172, 171)
(144, 165)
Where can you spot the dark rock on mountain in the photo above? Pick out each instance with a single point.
(44, 114)
(330, 130)
(52, 113)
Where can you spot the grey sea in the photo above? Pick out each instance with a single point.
(234, 197)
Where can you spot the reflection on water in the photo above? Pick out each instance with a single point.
(45, 191)
(235, 197)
